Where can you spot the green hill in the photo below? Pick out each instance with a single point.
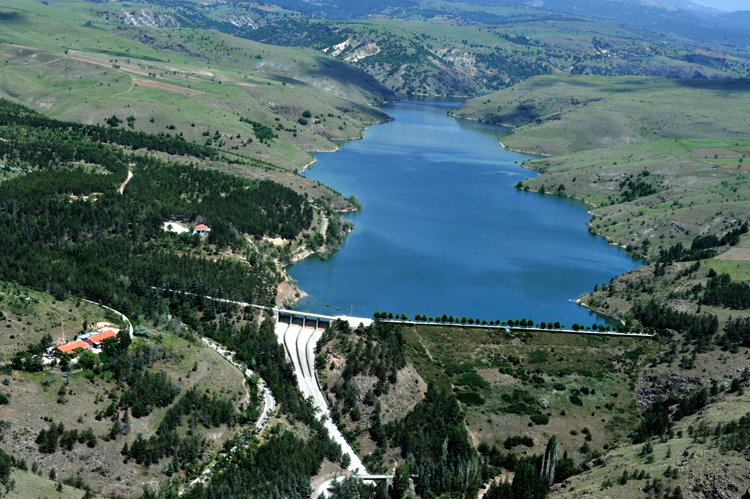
(32, 486)
(560, 114)
(165, 80)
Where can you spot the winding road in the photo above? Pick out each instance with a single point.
(269, 405)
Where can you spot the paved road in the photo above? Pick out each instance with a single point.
(269, 404)
(299, 343)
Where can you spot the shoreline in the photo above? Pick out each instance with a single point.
(314, 160)
(521, 151)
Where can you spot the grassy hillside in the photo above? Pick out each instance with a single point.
(695, 459)
(517, 371)
(167, 80)
(508, 384)
(562, 114)
(79, 402)
(650, 196)
(445, 48)
(32, 486)
(598, 395)
(678, 286)
(27, 315)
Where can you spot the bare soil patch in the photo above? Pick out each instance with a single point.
(105, 61)
(736, 254)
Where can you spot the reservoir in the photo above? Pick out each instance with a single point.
(443, 230)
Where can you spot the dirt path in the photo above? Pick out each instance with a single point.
(130, 89)
(123, 68)
(122, 187)
(421, 342)
(735, 254)
(168, 87)
(324, 225)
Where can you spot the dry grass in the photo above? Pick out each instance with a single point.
(102, 467)
(735, 254)
(715, 153)
(597, 363)
(27, 321)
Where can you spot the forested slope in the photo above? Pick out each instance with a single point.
(67, 229)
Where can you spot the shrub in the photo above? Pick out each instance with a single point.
(472, 379)
(514, 440)
(470, 398)
(540, 419)
(576, 400)
(538, 357)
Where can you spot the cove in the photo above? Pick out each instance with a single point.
(443, 230)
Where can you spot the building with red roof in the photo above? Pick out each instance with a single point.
(201, 229)
(96, 340)
(71, 348)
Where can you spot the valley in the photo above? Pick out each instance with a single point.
(582, 211)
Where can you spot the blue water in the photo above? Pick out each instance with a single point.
(443, 231)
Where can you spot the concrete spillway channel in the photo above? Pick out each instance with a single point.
(299, 338)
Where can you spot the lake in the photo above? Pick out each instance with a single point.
(443, 230)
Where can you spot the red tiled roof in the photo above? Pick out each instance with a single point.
(98, 338)
(201, 227)
(72, 347)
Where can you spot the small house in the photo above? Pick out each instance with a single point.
(201, 229)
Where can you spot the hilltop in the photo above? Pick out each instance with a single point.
(443, 48)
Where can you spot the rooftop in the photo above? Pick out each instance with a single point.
(72, 347)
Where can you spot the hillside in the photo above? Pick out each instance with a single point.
(507, 384)
(446, 48)
(649, 197)
(31, 486)
(165, 82)
(40, 396)
(601, 397)
(95, 204)
(654, 15)
(434, 52)
(559, 114)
